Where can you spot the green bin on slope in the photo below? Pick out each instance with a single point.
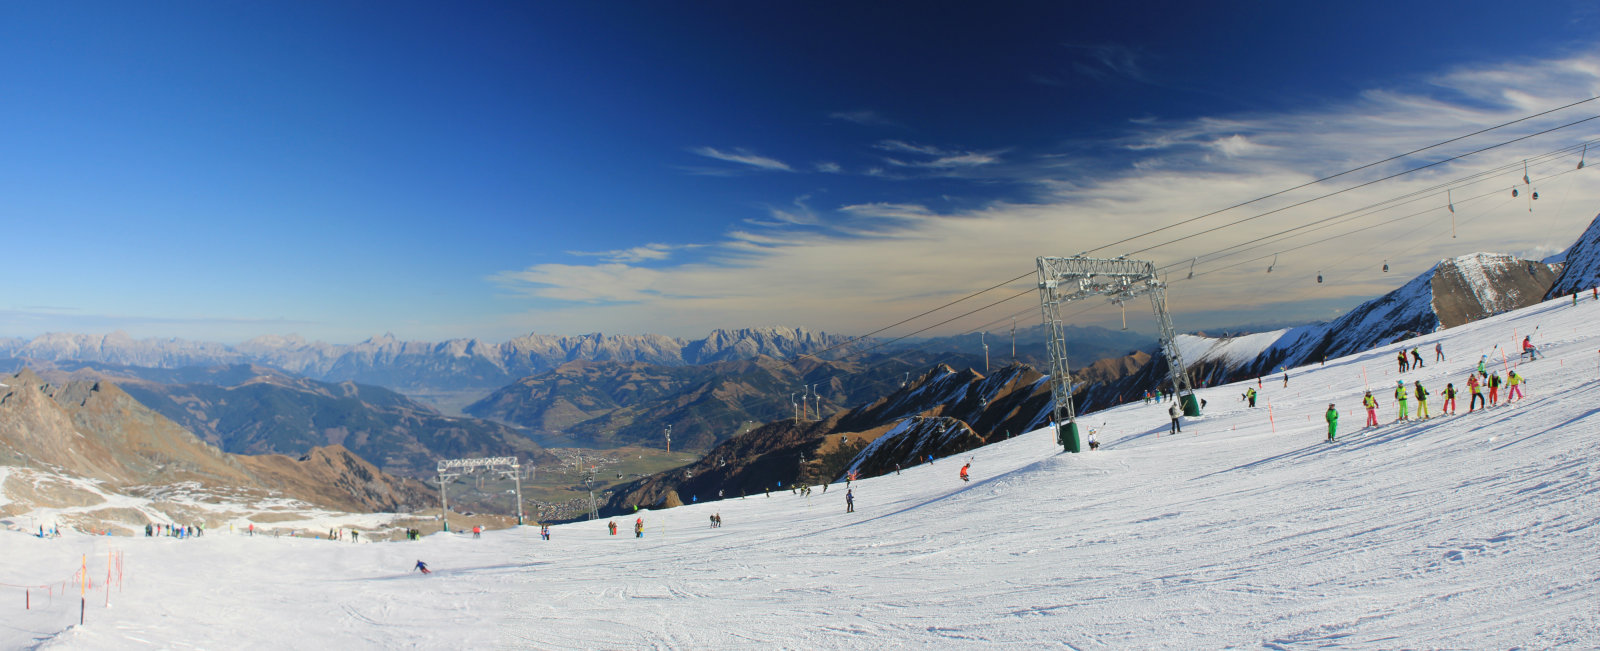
(1068, 437)
(1191, 405)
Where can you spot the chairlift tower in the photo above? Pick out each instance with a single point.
(1063, 280)
(588, 481)
(449, 469)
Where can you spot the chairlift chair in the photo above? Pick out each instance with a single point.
(1319, 277)
(1385, 266)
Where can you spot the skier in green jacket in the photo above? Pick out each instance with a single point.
(1333, 422)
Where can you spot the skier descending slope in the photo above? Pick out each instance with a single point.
(1333, 422)
(422, 567)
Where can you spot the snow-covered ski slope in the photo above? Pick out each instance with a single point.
(1471, 531)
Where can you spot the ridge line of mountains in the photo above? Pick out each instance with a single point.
(419, 365)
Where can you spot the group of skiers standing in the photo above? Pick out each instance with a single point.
(1481, 378)
(173, 531)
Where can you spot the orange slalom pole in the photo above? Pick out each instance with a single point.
(1270, 420)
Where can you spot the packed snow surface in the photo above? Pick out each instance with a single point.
(1247, 530)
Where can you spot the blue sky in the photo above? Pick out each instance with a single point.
(220, 171)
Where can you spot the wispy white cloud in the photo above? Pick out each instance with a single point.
(743, 157)
(1112, 60)
(936, 158)
(642, 253)
(828, 167)
(854, 267)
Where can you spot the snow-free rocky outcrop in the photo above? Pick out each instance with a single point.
(91, 433)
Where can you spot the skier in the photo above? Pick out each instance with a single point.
(1494, 389)
(1174, 411)
(964, 472)
(1515, 392)
(1416, 358)
(849, 501)
(1250, 396)
(1371, 404)
(613, 525)
(1422, 400)
(1528, 349)
(1285, 379)
(1333, 421)
(1449, 394)
(1400, 395)
(1094, 444)
(1483, 364)
(544, 531)
(1438, 352)
(638, 527)
(422, 567)
(477, 531)
(1404, 366)
(1477, 392)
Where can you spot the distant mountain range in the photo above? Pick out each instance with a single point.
(1086, 344)
(420, 366)
(607, 404)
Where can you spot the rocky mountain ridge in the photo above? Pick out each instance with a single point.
(1582, 260)
(95, 431)
(257, 410)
